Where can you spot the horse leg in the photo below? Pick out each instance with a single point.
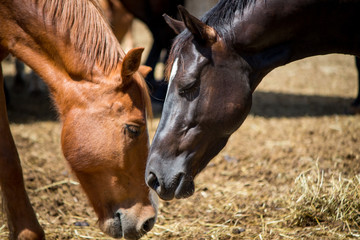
(356, 104)
(19, 82)
(35, 84)
(7, 95)
(22, 221)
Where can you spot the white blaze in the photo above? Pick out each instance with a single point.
(172, 74)
(173, 70)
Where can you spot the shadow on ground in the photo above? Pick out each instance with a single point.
(270, 104)
(27, 108)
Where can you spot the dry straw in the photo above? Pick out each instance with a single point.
(333, 202)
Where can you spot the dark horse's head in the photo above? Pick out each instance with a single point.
(208, 98)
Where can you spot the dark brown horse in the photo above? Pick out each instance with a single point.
(215, 66)
(150, 12)
(101, 98)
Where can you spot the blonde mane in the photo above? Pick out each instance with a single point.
(145, 95)
(86, 27)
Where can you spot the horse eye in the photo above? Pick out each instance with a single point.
(190, 91)
(132, 130)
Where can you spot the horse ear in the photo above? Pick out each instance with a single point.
(130, 64)
(200, 30)
(144, 70)
(177, 26)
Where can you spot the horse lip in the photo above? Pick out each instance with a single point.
(165, 195)
(185, 188)
(112, 227)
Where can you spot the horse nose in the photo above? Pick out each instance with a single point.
(129, 227)
(159, 187)
(178, 186)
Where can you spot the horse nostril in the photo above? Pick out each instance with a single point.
(118, 215)
(153, 181)
(148, 224)
(159, 187)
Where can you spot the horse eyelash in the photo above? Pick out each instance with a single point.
(188, 88)
(131, 130)
(193, 86)
(190, 92)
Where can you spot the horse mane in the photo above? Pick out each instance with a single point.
(223, 13)
(220, 17)
(145, 95)
(84, 24)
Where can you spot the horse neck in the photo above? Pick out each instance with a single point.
(52, 53)
(273, 33)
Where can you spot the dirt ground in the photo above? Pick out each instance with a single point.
(300, 122)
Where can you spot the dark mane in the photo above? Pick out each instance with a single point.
(222, 14)
(220, 17)
(84, 23)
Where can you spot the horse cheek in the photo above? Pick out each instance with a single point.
(241, 111)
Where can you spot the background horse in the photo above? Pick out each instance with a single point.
(119, 18)
(101, 99)
(217, 63)
(150, 12)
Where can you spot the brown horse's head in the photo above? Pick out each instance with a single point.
(105, 140)
(208, 98)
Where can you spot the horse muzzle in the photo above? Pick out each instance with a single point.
(179, 186)
(128, 227)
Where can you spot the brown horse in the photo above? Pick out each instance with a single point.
(101, 99)
(120, 19)
(216, 64)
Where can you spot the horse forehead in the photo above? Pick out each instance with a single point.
(127, 108)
